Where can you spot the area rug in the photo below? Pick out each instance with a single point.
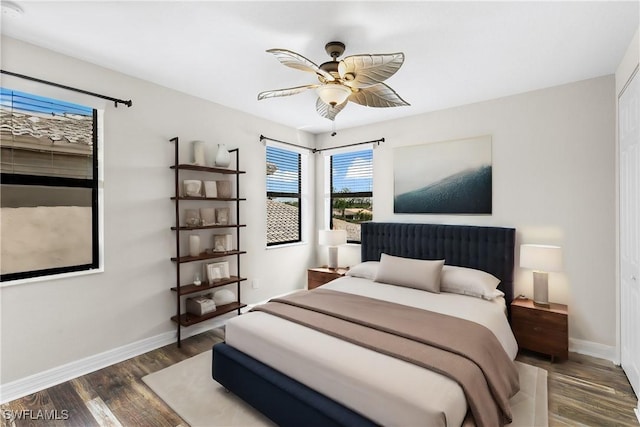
(187, 387)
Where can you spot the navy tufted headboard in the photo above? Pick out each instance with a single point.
(490, 249)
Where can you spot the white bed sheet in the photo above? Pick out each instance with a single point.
(386, 390)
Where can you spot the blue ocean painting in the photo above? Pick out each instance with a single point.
(451, 177)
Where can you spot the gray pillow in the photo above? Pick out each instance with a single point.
(468, 281)
(409, 272)
(366, 270)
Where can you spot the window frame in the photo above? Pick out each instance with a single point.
(92, 183)
(334, 195)
(280, 194)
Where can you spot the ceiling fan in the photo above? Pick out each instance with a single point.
(356, 78)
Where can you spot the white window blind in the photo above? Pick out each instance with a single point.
(283, 196)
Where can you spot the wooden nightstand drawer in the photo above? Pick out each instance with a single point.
(541, 339)
(541, 329)
(546, 319)
(319, 276)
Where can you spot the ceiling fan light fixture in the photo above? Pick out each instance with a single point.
(333, 94)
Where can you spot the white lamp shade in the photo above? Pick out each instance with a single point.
(333, 94)
(332, 237)
(541, 257)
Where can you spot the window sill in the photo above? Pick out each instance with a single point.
(286, 245)
(51, 277)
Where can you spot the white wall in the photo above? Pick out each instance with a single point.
(51, 323)
(553, 180)
(629, 63)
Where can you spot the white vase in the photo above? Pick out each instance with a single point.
(194, 245)
(198, 153)
(223, 158)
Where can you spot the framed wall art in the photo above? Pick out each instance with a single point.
(451, 177)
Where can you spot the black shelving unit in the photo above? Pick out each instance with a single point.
(181, 290)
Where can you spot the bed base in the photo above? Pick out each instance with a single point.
(288, 402)
(282, 399)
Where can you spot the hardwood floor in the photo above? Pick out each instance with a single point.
(582, 391)
(113, 396)
(586, 391)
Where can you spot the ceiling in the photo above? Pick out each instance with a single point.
(456, 52)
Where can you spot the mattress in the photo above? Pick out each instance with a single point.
(386, 390)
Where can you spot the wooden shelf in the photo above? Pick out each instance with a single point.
(189, 167)
(192, 289)
(187, 319)
(205, 227)
(203, 256)
(220, 199)
(232, 204)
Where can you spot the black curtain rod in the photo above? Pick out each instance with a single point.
(319, 150)
(116, 101)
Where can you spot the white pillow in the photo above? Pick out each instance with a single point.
(468, 281)
(366, 270)
(412, 273)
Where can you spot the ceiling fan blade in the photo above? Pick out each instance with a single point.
(360, 71)
(299, 62)
(327, 111)
(284, 92)
(379, 95)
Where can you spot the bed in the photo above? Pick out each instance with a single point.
(299, 376)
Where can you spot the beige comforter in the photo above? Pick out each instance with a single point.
(464, 351)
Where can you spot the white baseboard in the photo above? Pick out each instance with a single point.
(637, 411)
(42, 380)
(590, 348)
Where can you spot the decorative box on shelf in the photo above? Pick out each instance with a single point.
(201, 304)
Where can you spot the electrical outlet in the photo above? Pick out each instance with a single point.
(255, 284)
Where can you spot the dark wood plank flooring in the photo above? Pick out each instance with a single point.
(586, 391)
(582, 391)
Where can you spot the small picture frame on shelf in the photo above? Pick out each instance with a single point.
(192, 188)
(210, 189)
(208, 216)
(222, 242)
(213, 274)
(217, 271)
(192, 218)
(223, 189)
(222, 216)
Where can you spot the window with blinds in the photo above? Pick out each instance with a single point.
(351, 191)
(283, 196)
(49, 187)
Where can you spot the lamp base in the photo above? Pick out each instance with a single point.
(541, 289)
(542, 304)
(333, 257)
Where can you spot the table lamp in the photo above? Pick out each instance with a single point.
(541, 259)
(333, 239)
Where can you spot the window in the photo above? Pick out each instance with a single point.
(49, 189)
(283, 196)
(351, 191)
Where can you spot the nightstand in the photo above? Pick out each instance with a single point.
(321, 275)
(541, 329)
